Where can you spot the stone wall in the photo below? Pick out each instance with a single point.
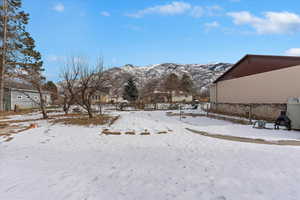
(267, 112)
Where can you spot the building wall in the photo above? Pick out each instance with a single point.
(268, 112)
(213, 93)
(274, 87)
(182, 98)
(21, 99)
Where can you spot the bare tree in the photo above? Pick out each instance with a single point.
(171, 84)
(69, 76)
(84, 82)
(65, 98)
(147, 92)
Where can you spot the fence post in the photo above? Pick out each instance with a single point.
(180, 111)
(250, 113)
(207, 107)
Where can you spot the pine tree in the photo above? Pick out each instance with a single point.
(30, 69)
(130, 91)
(186, 84)
(12, 28)
(52, 88)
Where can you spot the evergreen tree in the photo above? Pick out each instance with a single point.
(130, 91)
(186, 84)
(30, 69)
(52, 88)
(12, 28)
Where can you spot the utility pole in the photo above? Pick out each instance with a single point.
(3, 63)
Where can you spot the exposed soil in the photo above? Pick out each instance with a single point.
(84, 121)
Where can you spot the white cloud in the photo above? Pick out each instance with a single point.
(174, 8)
(59, 7)
(179, 8)
(213, 10)
(292, 52)
(105, 14)
(271, 23)
(211, 25)
(197, 11)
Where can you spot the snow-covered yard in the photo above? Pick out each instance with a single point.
(56, 161)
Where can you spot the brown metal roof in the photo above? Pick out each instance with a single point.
(256, 64)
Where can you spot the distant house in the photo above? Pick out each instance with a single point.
(167, 97)
(100, 98)
(115, 99)
(156, 97)
(267, 81)
(23, 96)
(181, 96)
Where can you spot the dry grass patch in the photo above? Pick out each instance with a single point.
(67, 115)
(21, 121)
(84, 120)
(3, 125)
(21, 112)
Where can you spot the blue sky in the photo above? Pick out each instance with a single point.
(156, 31)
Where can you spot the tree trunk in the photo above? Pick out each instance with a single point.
(2, 67)
(90, 113)
(100, 108)
(66, 109)
(42, 104)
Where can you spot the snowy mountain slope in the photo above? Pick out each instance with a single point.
(201, 74)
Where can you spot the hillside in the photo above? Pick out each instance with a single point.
(201, 74)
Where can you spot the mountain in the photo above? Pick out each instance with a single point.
(201, 74)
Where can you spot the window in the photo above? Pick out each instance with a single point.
(19, 97)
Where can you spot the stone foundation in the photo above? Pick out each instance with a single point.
(267, 112)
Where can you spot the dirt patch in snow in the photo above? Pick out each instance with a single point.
(247, 140)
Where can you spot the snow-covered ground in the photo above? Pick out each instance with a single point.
(72, 162)
(221, 127)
